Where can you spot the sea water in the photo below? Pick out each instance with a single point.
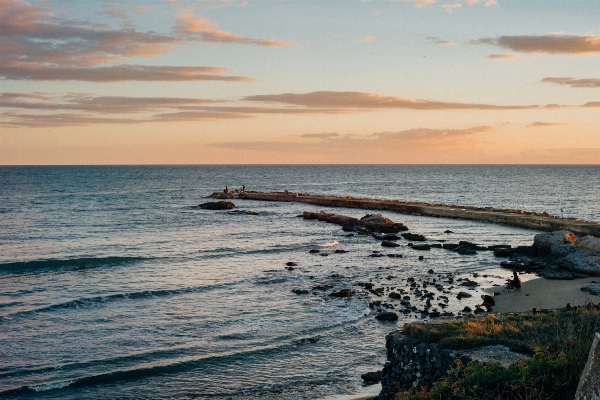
(113, 284)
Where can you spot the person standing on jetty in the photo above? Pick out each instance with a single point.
(243, 188)
(226, 190)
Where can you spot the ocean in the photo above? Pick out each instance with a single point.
(113, 284)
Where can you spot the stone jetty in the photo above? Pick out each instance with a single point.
(520, 218)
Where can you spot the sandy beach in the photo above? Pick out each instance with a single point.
(545, 294)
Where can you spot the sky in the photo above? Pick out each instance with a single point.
(299, 82)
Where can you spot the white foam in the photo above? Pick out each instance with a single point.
(50, 386)
(334, 243)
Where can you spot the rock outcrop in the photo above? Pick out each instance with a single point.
(368, 224)
(217, 205)
(580, 255)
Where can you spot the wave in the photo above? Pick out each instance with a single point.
(332, 244)
(72, 263)
(91, 301)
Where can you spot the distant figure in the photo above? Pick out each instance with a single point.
(515, 283)
(243, 188)
(226, 190)
(488, 302)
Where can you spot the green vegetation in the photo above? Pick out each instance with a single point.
(560, 343)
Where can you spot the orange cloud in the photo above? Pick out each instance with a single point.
(190, 26)
(143, 9)
(408, 146)
(361, 101)
(578, 83)
(547, 44)
(368, 39)
(540, 124)
(506, 56)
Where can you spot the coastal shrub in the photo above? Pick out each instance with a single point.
(560, 343)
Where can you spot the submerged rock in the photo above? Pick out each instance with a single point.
(371, 377)
(387, 243)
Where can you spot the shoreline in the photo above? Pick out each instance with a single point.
(546, 294)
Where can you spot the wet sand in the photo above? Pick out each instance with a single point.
(545, 294)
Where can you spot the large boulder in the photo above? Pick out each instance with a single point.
(557, 244)
(217, 205)
(375, 219)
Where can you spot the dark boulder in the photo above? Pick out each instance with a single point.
(291, 264)
(371, 377)
(217, 205)
(387, 316)
(414, 237)
(421, 247)
(387, 243)
(300, 291)
(342, 293)
(462, 295)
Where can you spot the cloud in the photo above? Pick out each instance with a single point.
(547, 44)
(595, 104)
(451, 6)
(368, 39)
(78, 109)
(143, 9)
(320, 135)
(577, 83)
(417, 3)
(446, 43)
(200, 28)
(37, 44)
(505, 56)
(365, 101)
(403, 145)
(540, 124)
(117, 73)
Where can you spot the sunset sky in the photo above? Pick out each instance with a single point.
(226, 81)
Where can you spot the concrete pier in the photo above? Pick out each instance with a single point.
(520, 218)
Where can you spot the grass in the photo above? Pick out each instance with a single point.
(559, 342)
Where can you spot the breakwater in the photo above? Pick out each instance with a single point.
(520, 218)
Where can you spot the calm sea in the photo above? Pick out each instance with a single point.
(113, 285)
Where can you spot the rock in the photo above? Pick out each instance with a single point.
(503, 252)
(307, 340)
(414, 237)
(313, 251)
(375, 219)
(421, 247)
(469, 283)
(431, 271)
(387, 243)
(387, 316)
(467, 309)
(217, 205)
(342, 293)
(448, 231)
(289, 268)
(558, 244)
(341, 251)
(421, 258)
(300, 291)
(371, 377)
(247, 212)
(462, 295)
(291, 264)
(450, 246)
(465, 252)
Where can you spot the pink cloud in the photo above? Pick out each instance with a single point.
(541, 124)
(547, 44)
(361, 101)
(506, 56)
(577, 83)
(116, 73)
(195, 27)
